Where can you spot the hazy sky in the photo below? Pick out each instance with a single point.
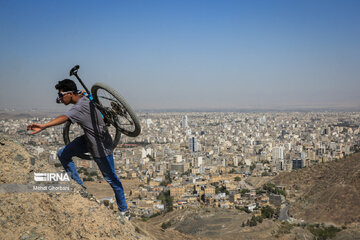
(184, 54)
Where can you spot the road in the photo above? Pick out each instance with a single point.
(284, 212)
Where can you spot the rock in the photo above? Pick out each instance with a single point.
(84, 193)
(33, 236)
(24, 237)
(19, 158)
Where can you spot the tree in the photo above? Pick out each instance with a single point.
(244, 190)
(224, 190)
(238, 179)
(253, 221)
(252, 167)
(57, 164)
(167, 180)
(94, 173)
(168, 177)
(89, 179)
(164, 183)
(217, 190)
(259, 219)
(270, 187)
(165, 225)
(267, 212)
(186, 173)
(167, 200)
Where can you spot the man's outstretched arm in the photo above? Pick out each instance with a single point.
(39, 127)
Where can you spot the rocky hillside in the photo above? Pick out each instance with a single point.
(328, 192)
(51, 215)
(225, 224)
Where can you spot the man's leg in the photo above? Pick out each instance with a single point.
(106, 166)
(75, 148)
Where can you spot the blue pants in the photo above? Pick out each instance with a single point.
(105, 164)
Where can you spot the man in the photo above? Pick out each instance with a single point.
(96, 139)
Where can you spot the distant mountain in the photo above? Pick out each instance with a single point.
(4, 115)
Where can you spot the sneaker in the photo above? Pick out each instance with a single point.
(124, 215)
(83, 191)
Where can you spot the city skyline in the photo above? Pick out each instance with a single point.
(203, 55)
(212, 159)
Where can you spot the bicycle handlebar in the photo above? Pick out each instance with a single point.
(74, 70)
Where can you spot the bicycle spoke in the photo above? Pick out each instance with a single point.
(117, 111)
(106, 98)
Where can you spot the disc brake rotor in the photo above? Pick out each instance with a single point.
(118, 109)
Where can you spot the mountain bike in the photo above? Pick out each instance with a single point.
(116, 112)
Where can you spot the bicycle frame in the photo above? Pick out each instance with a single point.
(74, 71)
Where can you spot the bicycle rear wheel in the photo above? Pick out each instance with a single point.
(71, 131)
(117, 110)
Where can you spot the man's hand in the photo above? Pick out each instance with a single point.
(39, 127)
(36, 128)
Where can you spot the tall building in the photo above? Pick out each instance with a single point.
(288, 146)
(298, 163)
(148, 122)
(188, 131)
(278, 153)
(193, 144)
(236, 161)
(199, 161)
(178, 167)
(184, 122)
(178, 158)
(262, 120)
(281, 165)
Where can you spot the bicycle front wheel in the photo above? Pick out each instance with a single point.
(116, 109)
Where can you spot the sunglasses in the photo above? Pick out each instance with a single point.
(61, 95)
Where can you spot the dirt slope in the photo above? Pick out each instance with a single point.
(224, 224)
(51, 215)
(328, 192)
